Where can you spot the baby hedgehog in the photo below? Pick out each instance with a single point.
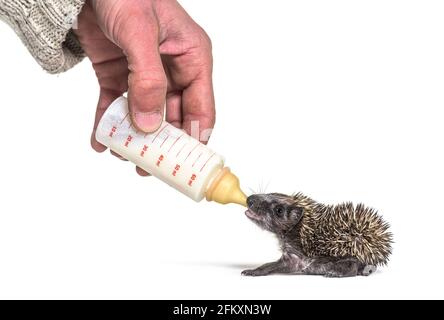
(334, 241)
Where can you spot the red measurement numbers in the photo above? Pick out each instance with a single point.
(144, 150)
(128, 140)
(113, 131)
(159, 161)
(192, 179)
(176, 169)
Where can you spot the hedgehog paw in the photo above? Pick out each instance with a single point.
(250, 273)
(368, 270)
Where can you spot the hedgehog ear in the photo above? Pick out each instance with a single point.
(296, 214)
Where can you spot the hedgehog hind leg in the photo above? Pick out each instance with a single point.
(334, 267)
(346, 267)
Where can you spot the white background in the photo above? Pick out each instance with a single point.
(342, 100)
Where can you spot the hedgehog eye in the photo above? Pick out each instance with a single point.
(279, 210)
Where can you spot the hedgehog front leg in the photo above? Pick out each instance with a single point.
(333, 267)
(279, 266)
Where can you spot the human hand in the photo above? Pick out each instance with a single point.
(156, 52)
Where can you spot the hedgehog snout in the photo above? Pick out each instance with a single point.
(253, 202)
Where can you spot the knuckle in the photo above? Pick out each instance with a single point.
(153, 81)
(205, 42)
(200, 41)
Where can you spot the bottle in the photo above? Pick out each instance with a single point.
(171, 155)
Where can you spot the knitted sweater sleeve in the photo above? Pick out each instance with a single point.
(45, 27)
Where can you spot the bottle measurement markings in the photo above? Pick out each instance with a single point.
(128, 140)
(197, 159)
(165, 140)
(208, 160)
(174, 143)
(158, 161)
(144, 150)
(157, 135)
(192, 150)
(180, 151)
(124, 119)
(113, 131)
(176, 170)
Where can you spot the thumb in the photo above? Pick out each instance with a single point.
(147, 80)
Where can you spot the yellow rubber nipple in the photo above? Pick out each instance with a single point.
(226, 189)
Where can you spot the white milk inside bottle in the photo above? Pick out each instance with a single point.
(171, 155)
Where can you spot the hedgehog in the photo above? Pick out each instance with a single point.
(331, 240)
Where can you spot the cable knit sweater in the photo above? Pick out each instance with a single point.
(45, 27)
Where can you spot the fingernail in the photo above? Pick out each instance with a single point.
(148, 121)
